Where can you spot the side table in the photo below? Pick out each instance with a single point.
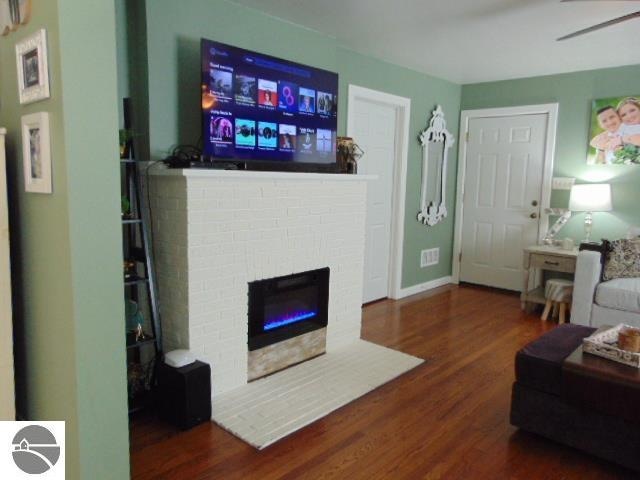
(539, 258)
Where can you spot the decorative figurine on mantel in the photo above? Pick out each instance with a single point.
(349, 153)
(436, 141)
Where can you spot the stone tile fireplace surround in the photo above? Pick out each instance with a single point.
(216, 231)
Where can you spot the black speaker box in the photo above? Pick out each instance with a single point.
(184, 394)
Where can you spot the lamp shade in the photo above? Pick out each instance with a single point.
(590, 197)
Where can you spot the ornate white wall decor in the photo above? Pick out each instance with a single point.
(565, 215)
(436, 141)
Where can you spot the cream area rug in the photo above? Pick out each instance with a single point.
(266, 410)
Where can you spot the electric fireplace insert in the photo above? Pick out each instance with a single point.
(285, 307)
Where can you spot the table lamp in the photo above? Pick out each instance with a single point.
(589, 198)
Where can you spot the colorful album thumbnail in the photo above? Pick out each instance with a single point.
(221, 84)
(323, 141)
(306, 100)
(245, 133)
(287, 137)
(244, 89)
(306, 140)
(267, 134)
(325, 103)
(288, 96)
(267, 93)
(221, 129)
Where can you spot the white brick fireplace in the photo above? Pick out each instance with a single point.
(215, 231)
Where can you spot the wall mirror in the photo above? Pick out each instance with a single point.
(436, 141)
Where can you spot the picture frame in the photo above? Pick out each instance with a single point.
(33, 68)
(24, 10)
(36, 153)
(614, 131)
(14, 13)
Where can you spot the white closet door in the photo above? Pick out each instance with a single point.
(375, 130)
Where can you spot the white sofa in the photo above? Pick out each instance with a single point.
(597, 303)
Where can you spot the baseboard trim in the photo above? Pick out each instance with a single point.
(423, 287)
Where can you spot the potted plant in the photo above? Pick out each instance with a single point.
(125, 207)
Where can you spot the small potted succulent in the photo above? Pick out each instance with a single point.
(125, 208)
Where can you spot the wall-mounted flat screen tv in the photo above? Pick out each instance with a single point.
(267, 112)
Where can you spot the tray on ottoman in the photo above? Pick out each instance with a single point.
(604, 343)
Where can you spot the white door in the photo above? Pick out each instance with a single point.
(374, 129)
(502, 195)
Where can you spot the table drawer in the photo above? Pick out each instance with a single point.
(551, 262)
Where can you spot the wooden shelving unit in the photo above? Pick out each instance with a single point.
(139, 287)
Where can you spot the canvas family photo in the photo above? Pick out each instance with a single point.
(615, 131)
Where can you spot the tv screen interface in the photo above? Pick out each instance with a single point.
(257, 107)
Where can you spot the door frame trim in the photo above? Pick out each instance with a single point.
(551, 110)
(402, 106)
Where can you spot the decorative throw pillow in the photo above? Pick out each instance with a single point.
(623, 259)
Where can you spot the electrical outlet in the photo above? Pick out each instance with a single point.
(429, 257)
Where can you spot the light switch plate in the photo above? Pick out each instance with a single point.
(562, 183)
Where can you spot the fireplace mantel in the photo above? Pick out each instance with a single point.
(256, 175)
(215, 231)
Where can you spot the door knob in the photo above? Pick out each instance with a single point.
(533, 215)
(534, 203)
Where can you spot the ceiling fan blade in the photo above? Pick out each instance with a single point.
(615, 21)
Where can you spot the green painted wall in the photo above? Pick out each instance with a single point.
(173, 34)
(89, 85)
(44, 332)
(574, 92)
(173, 44)
(66, 247)
(425, 93)
(131, 43)
(122, 44)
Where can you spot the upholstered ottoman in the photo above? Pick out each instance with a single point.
(539, 364)
(539, 402)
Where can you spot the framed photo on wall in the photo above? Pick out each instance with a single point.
(36, 153)
(33, 68)
(614, 137)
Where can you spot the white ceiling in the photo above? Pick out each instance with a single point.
(469, 41)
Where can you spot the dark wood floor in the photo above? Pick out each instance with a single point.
(446, 419)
